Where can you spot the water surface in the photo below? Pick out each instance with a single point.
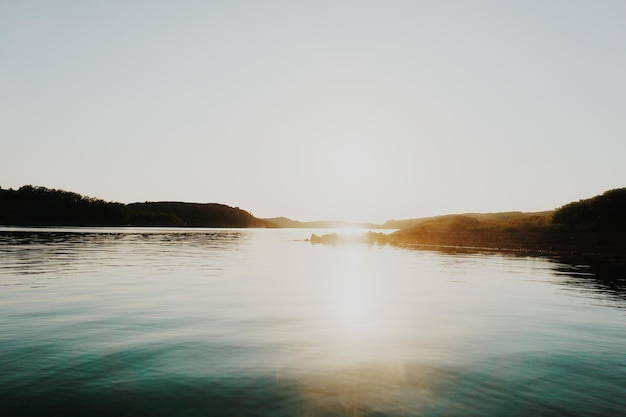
(194, 322)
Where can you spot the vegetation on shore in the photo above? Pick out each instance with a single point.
(591, 226)
(587, 227)
(40, 206)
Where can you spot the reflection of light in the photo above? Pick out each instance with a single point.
(358, 353)
(379, 386)
(351, 290)
(357, 315)
(351, 301)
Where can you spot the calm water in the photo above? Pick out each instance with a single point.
(148, 322)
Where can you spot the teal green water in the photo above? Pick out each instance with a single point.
(203, 322)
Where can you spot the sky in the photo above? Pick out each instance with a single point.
(316, 110)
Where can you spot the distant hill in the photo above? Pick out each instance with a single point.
(320, 224)
(512, 216)
(40, 206)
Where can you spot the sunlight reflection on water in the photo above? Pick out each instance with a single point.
(260, 322)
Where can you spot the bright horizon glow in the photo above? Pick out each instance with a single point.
(346, 110)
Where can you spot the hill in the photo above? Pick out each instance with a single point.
(594, 226)
(319, 224)
(497, 230)
(40, 206)
(191, 215)
(502, 217)
(605, 212)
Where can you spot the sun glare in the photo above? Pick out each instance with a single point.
(351, 290)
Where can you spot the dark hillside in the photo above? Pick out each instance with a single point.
(191, 215)
(40, 206)
(595, 226)
(606, 213)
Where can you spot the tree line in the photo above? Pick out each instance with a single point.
(41, 206)
(605, 212)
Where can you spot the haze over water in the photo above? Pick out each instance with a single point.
(193, 322)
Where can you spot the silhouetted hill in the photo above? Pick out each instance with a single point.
(605, 212)
(48, 207)
(191, 215)
(40, 206)
(590, 227)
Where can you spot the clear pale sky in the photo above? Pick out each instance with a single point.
(353, 110)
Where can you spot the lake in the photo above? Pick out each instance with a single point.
(260, 322)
